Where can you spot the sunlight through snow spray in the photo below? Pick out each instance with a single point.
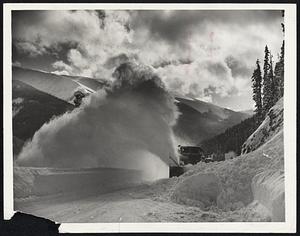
(127, 126)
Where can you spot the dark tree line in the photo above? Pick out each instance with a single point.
(268, 88)
(233, 138)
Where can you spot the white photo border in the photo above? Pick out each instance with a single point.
(289, 226)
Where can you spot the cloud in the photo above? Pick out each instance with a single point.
(238, 68)
(60, 65)
(176, 26)
(32, 49)
(195, 78)
(190, 50)
(93, 42)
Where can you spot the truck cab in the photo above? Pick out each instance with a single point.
(191, 154)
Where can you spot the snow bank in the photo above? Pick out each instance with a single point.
(30, 182)
(272, 124)
(268, 189)
(201, 190)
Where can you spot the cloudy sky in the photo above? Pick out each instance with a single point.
(209, 55)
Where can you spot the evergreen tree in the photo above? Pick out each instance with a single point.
(267, 83)
(282, 24)
(281, 71)
(279, 75)
(256, 86)
(272, 81)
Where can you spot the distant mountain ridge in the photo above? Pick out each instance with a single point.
(249, 112)
(198, 120)
(201, 120)
(60, 86)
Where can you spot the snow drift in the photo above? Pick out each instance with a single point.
(268, 189)
(128, 126)
(251, 181)
(201, 190)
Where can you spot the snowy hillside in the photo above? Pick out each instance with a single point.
(62, 87)
(272, 124)
(92, 84)
(54, 85)
(32, 108)
(205, 107)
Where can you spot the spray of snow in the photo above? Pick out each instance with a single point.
(128, 126)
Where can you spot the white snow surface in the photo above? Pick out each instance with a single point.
(268, 189)
(272, 124)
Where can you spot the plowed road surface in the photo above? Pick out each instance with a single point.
(130, 205)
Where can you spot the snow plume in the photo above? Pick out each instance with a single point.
(128, 126)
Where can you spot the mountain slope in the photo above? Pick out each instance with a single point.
(249, 112)
(94, 84)
(62, 87)
(233, 137)
(205, 107)
(54, 85)
(201, 120)
(17, 145)
(33, 108)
